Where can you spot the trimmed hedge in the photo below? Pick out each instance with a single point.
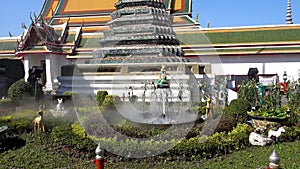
(20, 89)
(237, 108)
(100, 97)
(110, 102)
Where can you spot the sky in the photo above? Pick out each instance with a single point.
(220, 13)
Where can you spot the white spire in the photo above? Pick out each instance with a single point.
(289, 19)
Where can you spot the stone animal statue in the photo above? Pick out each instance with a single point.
(39, 122)
(276, 133)
(257, 139)
(59, 106)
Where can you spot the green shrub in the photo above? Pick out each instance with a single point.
(64, 135)
(100, 97)
(110, 102)
(226, 124)
(237, 108)
(294, 100)
(78, 130)
(73, 94)
(16, 126)
(248, 91)
(290, 134)
(239, 136)
(6, 102)
(20, 89)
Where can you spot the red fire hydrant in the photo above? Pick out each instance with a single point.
(99, 159)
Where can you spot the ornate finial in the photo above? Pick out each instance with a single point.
(274, 160)
(99, 152)
(197, 18)
(208, 24)
(289, 19)
(10, 34)
(23, 25)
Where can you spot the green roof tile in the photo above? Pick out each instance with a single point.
(8, 45)
(89, 43)
(258, 36)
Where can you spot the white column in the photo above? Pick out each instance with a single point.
(49, 84)
(26, 67)
(53, 64)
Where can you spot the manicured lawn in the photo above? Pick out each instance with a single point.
(37, 152)
(253, 157)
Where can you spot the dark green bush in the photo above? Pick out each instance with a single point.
(237, 108)
(100, 97)
(217, 144)
(290, 134)
(20, 89)
(7, 106)
(136, 132)
(73, 94)
(226, 124)
(16, 126)
(64, 135)
(110, 102)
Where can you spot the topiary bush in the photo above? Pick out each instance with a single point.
(226, 124)
(20, 89)
(100, 97)
(237, 108)
(110, 102)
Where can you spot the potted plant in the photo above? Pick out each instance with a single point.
(271, 111)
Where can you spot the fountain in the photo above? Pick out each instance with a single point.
(141, 56)
(158, 104)
(140, 45)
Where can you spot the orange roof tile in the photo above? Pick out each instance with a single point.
(54, 9)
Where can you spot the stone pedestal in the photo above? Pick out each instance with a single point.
(118, 78)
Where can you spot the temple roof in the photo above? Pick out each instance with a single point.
(80, 24)
(273, 39)
(8, 47)
(97, 12)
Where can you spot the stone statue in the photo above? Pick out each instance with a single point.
(208, 107)
(39, 121)
(255, 138)
(59, 106)
(276, 134)
(163, 82)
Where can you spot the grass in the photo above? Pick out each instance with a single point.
(253, 157)
(36, 151)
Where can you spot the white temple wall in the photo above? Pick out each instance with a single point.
(31, 60)
(292, 69)
(266, 64)
(235, 68)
